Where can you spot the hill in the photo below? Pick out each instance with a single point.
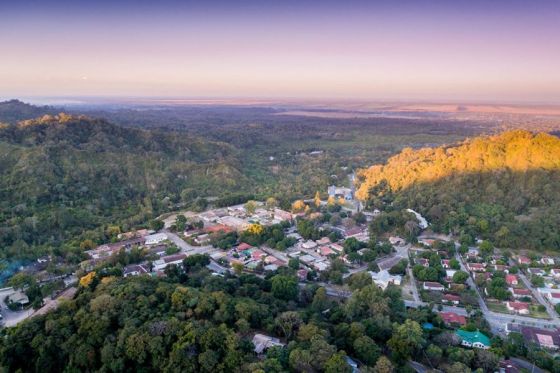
(63, 175)
(503, 188)
(13, 111)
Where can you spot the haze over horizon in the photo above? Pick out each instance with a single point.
(504, 51)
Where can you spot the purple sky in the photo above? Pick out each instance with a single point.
(441, 50)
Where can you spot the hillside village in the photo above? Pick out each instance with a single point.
(328, 242)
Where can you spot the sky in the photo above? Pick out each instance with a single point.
(506, 51)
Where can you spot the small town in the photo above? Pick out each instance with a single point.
(328, 243)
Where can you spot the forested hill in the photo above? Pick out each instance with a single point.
(503, 188)
(13, 111)
(63, 175)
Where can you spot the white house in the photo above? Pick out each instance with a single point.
(154, 239)
(384, 278)
(433, 286)
(168, 260)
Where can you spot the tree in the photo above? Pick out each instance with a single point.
(366, 350)
(250, 207)
(460, 277)
(293, 263)
(284, 287)
(86, 280)
(87, 244)
(237, 268)
(434, 354)
(331, 201)
(288, 322)
(359, 280)
(486, 248)
(406, 340)
(156, 224)
(271, 203)
(298, 206)
(180, 222)
(317, 200)
(383, 365)
(337, 364)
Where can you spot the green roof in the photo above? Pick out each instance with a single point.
(473, 337)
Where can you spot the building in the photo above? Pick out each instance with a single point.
(384, 278)
(155, 239)
(337, 247)
(547, 261)
(445, 263)
(453, 319)
(521, 308)
(476, 267)
(473, 253)
(520, 293)
(396, 241)
(555, 272)
(323, 241)
(168, 260)
(325, 251)
(545, 338)
(433, 286)
(134, 270)
(553, 297)
(309, 245)
(512, 280)
(424, 262)
(523, 260)
(451, 298)
(337, 192)
(536, 272)
(473, 339)
(264, 342)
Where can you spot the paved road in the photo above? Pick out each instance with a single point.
(538, 296)
(186, 247)
(413, 286)
(11, 318)
(471, 283)
(530, 367)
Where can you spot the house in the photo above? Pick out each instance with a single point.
(500, 268)
(547, 261)
(555, 272)
(271, 267)
(282, 215)
(473, 339)
(545, 338)
(536, 272)
(19, 298)
(134, 270)
(258, 255)
(476, 267)
(433, 286)
(520, 293)
(384, 278)
(307, 259)
(218, 228)
(336, 247)
(512, 280)
(451, 298)
(473, 253)
(309, 245)
(320, 265)
(518, 307)
(445, 263)
(453, 319)
(553, 297)
(523, 260)
(325, 251)
(244, 246)
(449, 274)
(263, 342)
(168, 260)
(337, 192)
(323, 241)
(424, 262)
(154, 239)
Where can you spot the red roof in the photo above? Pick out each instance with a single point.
(244, 246)
(453, 318)
(521, 291)
(452, 297)
(510, 279)
(518, 305)
(218, 228)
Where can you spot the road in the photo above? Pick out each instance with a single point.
(472, 285)
(413, 286)
(186, 247)
(538, 296)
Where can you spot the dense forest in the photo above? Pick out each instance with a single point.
(65, 174)
(69, 177)
(194, 322)
(503, 188)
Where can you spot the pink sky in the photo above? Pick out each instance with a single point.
(365, 51)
